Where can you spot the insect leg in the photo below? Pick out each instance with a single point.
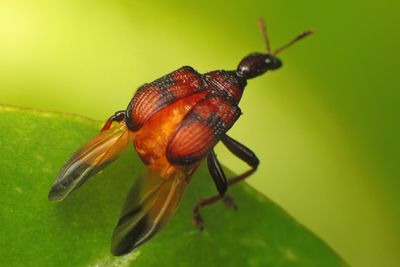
(196, 219)
(244, 154)
(217, 173)
(118, 116)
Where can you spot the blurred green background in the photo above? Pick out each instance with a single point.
(325, 126)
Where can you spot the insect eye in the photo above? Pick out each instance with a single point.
(273, 63)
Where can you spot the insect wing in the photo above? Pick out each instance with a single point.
(149, 205)
(158, 94)
(89, 160)
(201, 129)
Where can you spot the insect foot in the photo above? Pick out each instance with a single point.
(197, 220)
(229, 202)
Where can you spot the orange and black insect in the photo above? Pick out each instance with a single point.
(173, 123)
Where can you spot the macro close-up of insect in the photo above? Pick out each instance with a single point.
(173, 124)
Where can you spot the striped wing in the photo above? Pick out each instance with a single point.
(149, 205)
(153, 96)
(201, 129)
(89, 160)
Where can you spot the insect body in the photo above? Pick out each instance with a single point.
(174, 123)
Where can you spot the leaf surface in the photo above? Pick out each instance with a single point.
(77, 231)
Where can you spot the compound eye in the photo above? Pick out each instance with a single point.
(273, 63)
(268, 61)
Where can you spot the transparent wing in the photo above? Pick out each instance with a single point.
(89, 160)
(149, 205)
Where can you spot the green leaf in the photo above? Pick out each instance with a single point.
(76, 232)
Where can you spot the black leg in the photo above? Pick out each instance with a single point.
(217, 173)
(241, 152)
(244, 154)
(118, 116)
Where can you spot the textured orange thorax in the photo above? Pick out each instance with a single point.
(152, 139)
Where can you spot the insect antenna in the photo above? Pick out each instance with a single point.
(295, 40)
(263, 29)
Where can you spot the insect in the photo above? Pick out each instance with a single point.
(173, 123)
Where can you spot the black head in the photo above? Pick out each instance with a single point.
(257, 64)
